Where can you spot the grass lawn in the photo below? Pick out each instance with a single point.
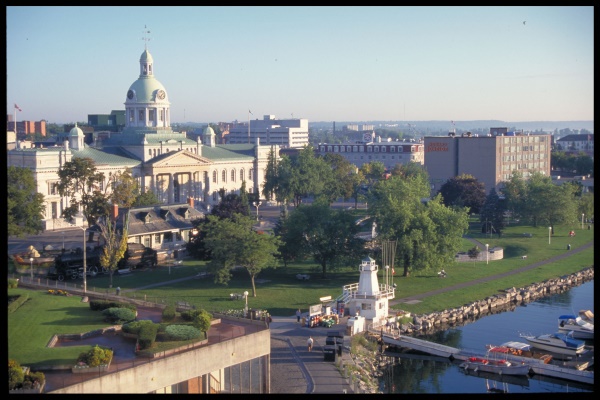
(280, 293)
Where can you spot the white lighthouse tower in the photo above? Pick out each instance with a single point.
(368, 298)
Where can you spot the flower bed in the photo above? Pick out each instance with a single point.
(82, 368)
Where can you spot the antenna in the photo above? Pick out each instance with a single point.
(146, 38)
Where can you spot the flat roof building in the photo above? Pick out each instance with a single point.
(490, 159)
(285, 133)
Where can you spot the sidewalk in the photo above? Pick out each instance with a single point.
(296, 370)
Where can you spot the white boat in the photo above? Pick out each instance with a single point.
(581, 328)
(558, 343)
(495, 362)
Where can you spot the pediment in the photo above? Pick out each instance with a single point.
(180, 158)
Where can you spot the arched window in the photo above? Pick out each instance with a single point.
(214, 176)
(242, 174)
(224, 176)
(250, 174)
(233, 175)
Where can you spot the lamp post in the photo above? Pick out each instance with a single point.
(63, 237)
(169, 252)
(84, 259)
(487, 254)
(582, 220)
(256, 204)
(31, 267)
(246, 306)
(549, 232)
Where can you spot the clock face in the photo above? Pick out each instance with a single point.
(130, 94)
(161, 94)
(367, 137)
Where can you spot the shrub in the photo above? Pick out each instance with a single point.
(13, 283)
(169, 313)
(116, 315)
(101, 305)
(15, 302)
(182, 332)
(15, 375)
(147, 335)
(474, 252)
(95, 356)
(136, 326)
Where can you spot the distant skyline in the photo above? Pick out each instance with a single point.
(341, 63)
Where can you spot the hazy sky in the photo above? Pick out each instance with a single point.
(320, 63)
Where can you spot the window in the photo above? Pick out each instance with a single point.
(161, 115)
(142, 116)
(157, 238)
(138, 239)
(250, 173)
(152, 114)
(54, 210)
(242, 174)
(150, 152)
(131, 116)
(53, 188)
(214, 176)
(168, 237)
(214, 196)
(233, 175)
(224, 176)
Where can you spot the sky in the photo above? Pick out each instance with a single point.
(334, 63)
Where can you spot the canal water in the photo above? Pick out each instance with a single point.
(426, 375)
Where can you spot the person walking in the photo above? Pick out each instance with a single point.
(310, 343)
(298, 314)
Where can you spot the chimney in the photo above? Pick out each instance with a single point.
(115, 212)
(190, 201)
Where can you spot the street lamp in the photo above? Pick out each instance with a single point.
(31, 267)
(169, 252)
(246, 306)
(582, 220)
(256, 204)
(549, 232)
(487, 254)
(84, 259)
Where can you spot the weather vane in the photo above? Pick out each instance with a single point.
(146, 38)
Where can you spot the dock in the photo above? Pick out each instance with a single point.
(573, 371)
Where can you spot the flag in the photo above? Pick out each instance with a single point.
(250, 112)
(17, 107)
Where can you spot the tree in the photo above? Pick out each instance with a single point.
(148, 198)
(230, 204)
(80, 182)
(343, 177)
(125, 188)
(232, 242)
(115, 245)
(492, 213)
(463, 191)
(271, 177)
(328, 235)
(428, 235)
(25, 206)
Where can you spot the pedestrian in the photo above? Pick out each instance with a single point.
(568, 247)
(298, 315)
(310, 343)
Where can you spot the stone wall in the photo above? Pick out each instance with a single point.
(495, 253)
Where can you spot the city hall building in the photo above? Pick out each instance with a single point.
(490, 159)
(168, 163)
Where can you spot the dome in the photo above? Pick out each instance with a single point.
(76, 131)
(145, 90)
(208, 131)
(146, 57)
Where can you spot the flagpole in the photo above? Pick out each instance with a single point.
(249, 125)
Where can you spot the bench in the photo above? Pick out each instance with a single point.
(528, 235)
(302, 277)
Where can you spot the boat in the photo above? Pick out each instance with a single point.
(520, 351)
(496, 362)
(558, 343)
(587, 316)
(581, 328)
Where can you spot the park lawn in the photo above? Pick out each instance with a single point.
(42, 316)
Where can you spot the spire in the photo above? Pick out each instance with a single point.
(146, 39)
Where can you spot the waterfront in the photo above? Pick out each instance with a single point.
(425, 374)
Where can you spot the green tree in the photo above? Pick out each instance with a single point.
(428, 235)
(271, 178)
(201, 319)
(148, 198)
(515, 195)
(232, 242)
(230, 204)
(343, 177)
(492, 213)
(115, 245)
(328, 235)
(125, 188)
(586, 205)
(80, 181)
(25, 206)
(463, 191)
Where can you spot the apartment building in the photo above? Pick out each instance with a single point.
(285, 133)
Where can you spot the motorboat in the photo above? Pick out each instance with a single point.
(520, 350)
(496, 362)
(587, 316)
(558, 343)
(581, 328)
